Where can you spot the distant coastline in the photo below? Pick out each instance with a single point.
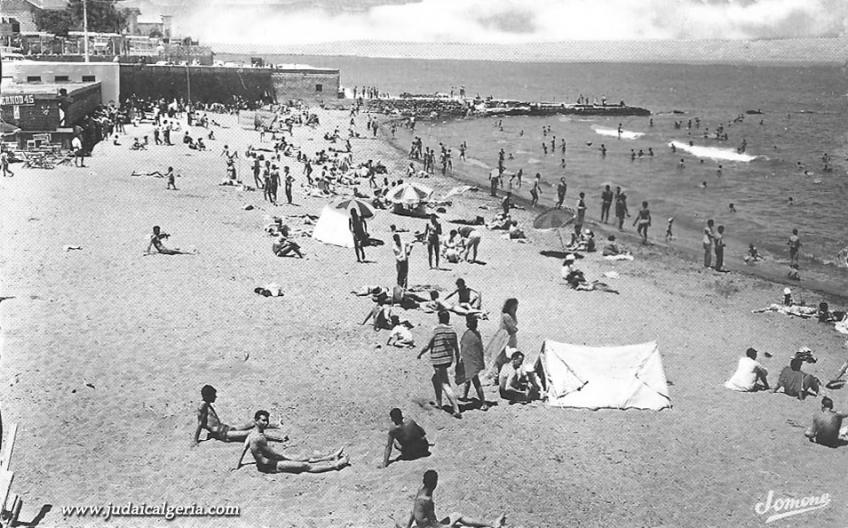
(790, 52)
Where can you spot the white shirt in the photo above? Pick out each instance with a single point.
(76, 143)
(745, 377)
(401, 334)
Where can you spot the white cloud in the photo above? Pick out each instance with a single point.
(293, 22)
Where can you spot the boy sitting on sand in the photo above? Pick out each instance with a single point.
(156, 242)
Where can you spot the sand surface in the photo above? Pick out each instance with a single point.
(105, 351)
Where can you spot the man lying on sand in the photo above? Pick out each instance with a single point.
(424, 510)
(407, 436)
(207, 418)
(269, 460)
(156, 242)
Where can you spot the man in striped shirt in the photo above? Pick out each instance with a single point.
(443, 349)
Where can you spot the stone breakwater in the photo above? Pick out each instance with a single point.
(440, 107)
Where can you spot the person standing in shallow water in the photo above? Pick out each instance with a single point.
(707, 242)
(536, 190)
(606, 203)
(620, 207)
(794, 248)
(718, 242)
(562, 187)
(643, 221)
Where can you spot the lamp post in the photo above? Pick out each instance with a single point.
(85, 26)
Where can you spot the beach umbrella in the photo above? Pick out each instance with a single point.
(410, 193)
(364, 209)
(554, 219)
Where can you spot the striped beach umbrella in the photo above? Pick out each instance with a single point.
(364, 209)
(410, 193)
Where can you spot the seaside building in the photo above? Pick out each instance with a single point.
(46, 112)
(60, 73)
(21, 13)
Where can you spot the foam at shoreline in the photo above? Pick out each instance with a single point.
(712, 152)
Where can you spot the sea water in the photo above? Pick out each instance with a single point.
(801, 116)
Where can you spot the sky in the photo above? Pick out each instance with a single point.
(300, 22)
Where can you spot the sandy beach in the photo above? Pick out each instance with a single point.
(105, 350)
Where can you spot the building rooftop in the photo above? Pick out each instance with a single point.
(14, 88)
(53, 5)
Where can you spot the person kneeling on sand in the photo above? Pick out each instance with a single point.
(156, 242)
(750, 376)
(407, 437)
(424, 510)
(207, 419)
(516, 383)
(268, 460)
(827, 427)
(400, 335)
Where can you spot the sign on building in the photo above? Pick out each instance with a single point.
(17, 100)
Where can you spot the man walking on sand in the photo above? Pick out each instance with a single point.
(443, 347)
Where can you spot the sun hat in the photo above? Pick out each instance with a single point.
(787, 291)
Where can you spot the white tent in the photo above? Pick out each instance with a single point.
(332, 228)
(620, 377)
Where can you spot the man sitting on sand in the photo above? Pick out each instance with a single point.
(284, 246)
(207, 418)
(796, 382)
(407, 436)
(156, 242)
(750, 376)
(611, 248)
(516, 383)
(269, 460)
(827, 426)
(424, 510)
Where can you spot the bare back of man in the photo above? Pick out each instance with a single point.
(410, 439)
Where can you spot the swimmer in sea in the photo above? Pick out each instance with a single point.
(718, 171)
(791, 201)
(682, 164)
(732, 208)
(703, 185)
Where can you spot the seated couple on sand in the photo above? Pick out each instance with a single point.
(795, 382)
(575, 278)
(517, 382)
(207, 419)
(269, 460)
(469, 302)
(424, 510)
